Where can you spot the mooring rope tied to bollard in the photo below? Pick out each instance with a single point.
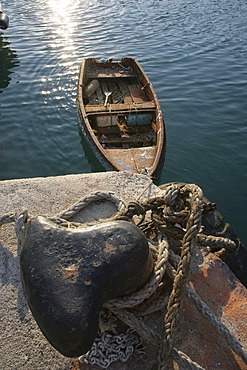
(174, 216)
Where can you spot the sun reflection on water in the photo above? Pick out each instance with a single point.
(64, 24)
(58, 82)
(60, 7)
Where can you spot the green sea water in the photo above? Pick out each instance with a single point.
(195, 53)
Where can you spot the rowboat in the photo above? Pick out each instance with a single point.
(120, 115)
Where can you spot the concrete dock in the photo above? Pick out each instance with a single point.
(22, 344)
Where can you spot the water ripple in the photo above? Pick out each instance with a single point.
(195, 53)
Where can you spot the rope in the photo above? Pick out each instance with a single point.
(186, 361)
(144, 293)
(182, 276)
(173, 218)
(216, 242)
(6, 219)
(137, 324)
(219, 327)
(84, 202)
(209, 315)
(20, 223)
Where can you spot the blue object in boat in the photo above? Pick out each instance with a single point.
(139, 119)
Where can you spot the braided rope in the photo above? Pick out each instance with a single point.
(216, 242)
(177, 217)
(182, 276)
(158, 304)
(209, 315)
(84, 202)
(167, 229)
(170, 194)
(6, 219)
(20, 224)
(186, 361)
(150, 288)
(187, 203)
(137, 324)
(219, 327)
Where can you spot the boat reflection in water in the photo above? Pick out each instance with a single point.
(93, 161)
(8, 61)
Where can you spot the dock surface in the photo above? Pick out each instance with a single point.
(22, 344)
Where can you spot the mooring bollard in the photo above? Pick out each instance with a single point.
(4, 19)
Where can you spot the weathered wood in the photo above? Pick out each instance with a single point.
(125, 92)
(131, 158)
(131, 92)
(119, 107)
(115, 91)
(137, 95)
(114, 129)
(134, 139)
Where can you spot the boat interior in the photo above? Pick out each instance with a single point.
(119, 106)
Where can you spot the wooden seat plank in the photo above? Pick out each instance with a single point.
(118, 140)
(119, 107)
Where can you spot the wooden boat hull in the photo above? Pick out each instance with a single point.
(121, 116)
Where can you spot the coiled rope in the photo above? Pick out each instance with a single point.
(173, 217)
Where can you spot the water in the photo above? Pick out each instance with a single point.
(195, 53)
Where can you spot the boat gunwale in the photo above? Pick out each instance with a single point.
(160, 140)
